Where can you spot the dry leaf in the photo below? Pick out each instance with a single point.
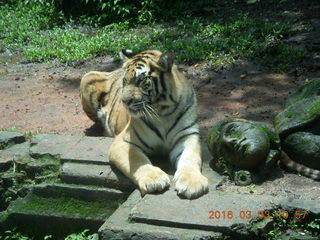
(243, 76)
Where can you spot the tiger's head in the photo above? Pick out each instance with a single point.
(145, 82)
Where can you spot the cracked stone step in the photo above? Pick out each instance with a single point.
(12, 146)
(93, 174)
(229, 213)
(10, 138)
(118, 226)
(72, 148)
(63, 209)
(216, 211)
(8, 155)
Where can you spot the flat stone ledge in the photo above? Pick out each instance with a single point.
(209, 212)
(91, 174)
(83, 192)
(118, 227)
(60, 209)
(89, 150)
(7, 137)
(228, 213)
(52, 144)
(72, 148)
(308, 205)
(13, 153)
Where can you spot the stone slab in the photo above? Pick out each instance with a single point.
(8, 136)
(292, 204)
(52, 144)
(83, 192)
(61, 208)
(92, 174)
(13, 153)
(216, 211)
(72, 148)
(89, 150)
(118, 227)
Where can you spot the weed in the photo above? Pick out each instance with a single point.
(14, 234)
(283, 222)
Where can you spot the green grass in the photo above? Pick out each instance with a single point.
(36, 32)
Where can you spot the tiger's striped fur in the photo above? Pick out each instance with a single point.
(150, 108)
(300, 168)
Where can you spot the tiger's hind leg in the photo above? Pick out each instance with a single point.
(93, 94)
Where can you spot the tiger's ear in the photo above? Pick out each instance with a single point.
(166, 61)
(125, 54)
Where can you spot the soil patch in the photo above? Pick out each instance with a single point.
(45, 97)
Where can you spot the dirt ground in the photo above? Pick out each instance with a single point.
(45, 97)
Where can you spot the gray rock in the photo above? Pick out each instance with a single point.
(119, 227)
(72, 148)
(82, 192)
(294, 205)
(229, 213)
(63, 209)
(10, 138)
(52, 144)
(15, 152)
(91, 174)
(89, 150)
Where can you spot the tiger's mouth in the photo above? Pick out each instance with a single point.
(142, 109)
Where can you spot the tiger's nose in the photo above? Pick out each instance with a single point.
(127, 101)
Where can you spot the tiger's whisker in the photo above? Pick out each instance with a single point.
(145, 108)
(151, 109)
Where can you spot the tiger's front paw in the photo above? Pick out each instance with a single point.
(190, 183)
(151, 179)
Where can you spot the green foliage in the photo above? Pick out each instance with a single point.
(314, 226)
(14, 234)
(35, 29)
(281, 224)
(98, 12)
(84, 235)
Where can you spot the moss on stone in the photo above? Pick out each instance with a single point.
(314, 110)
(225, 168)
(66, 207)
(3, 217)
(288, 114)
(27, 171)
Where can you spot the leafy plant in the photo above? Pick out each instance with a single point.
(14, 234)
(84, 235)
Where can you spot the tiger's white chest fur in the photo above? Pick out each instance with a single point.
(163, 135)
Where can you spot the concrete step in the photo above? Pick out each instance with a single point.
(119, 225)
(72, 148)
(94, 174)
(9, 138)
(215, 215)
(61, 209)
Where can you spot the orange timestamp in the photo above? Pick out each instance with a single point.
(263, 214)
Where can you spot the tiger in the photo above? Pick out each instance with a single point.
(150, 108)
